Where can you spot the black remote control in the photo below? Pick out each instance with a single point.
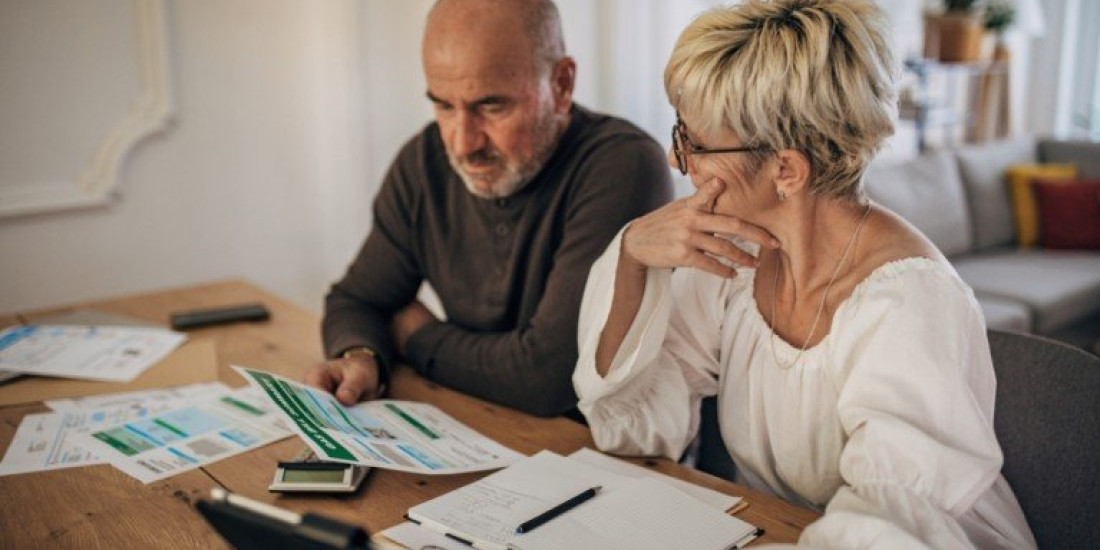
(199, 318)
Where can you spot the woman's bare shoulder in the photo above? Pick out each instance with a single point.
(892, 238)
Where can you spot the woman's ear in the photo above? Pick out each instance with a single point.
(791, 173)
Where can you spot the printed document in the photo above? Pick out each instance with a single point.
(627, 513)
(410, 536)
(185, 438)
(115, 354)
(51, 441)
(142, 400)
(396, 435)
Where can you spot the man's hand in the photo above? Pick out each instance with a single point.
(351, 379)
(685, 233)
(409, 320)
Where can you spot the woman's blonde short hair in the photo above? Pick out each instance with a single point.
(817, 76)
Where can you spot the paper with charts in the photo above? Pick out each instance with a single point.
(396, 435)
(51, 441)
(194, 435)
(115, 354)
(155, 400)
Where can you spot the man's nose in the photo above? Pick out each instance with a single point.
(469, 136)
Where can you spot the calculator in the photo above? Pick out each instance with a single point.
(306, 473)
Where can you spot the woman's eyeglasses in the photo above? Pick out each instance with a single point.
(682, 146)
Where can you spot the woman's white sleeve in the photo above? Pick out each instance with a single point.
(916, 398)
(648, 404)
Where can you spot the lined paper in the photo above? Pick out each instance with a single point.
(628, 513)
(645, 513)
(710, 497)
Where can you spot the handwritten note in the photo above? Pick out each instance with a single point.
(628, 513)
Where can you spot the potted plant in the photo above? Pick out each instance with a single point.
(999, 16)
(954, 36)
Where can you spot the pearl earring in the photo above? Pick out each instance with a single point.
(782, 195)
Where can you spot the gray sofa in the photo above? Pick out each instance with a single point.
(959, 199)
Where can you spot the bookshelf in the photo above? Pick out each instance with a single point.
(955, 103)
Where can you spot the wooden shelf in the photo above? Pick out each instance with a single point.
(952, 103)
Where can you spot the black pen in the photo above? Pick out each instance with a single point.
(557, 510)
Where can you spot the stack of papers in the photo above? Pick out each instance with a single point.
(109, 353)
(52, 441)
(150, 434)
(185, 438)
(628, 512)
(147, 434)
(410, 536)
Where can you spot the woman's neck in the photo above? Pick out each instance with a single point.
(816, 236)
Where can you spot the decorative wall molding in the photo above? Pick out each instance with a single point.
(151, 112)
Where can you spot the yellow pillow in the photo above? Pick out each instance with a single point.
(1024, 210)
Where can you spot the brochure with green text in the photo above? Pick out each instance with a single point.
(397, 435)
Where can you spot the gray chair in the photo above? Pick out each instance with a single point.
(1047, 419)
(711, 454)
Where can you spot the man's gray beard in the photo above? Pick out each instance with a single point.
(514, 178)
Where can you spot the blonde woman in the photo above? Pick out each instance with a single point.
(850, 361)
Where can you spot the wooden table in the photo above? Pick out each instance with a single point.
(99, 507)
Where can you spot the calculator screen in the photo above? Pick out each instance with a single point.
(313, 476)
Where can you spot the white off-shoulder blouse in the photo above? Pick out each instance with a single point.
(886, 424)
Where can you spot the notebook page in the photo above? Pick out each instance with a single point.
(488, 511)
(710, 497)
(644, 514)
(408, 535)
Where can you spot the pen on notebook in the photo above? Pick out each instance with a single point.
(557, 510)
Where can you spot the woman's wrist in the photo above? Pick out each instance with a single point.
(627, 262)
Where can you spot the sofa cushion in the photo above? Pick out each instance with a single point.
(1085, 155)
(1070, 213)
(983, 168)
(1060, 287)
(1024, 210)
(1004, 314)
(928, 193)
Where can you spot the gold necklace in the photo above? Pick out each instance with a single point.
(824, 298)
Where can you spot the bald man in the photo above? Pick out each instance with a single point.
(501, 204)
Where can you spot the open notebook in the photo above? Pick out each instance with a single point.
(628, 513)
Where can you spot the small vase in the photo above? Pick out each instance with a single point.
(989, 43)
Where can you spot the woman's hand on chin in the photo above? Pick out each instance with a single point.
(683, 234)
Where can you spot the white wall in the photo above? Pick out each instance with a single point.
(268, 131)
(288, 115)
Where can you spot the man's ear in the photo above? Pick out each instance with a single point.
(792, 172)
(562, 79)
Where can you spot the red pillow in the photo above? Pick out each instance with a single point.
(1069, 213)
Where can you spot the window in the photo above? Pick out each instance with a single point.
(1085, 113)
